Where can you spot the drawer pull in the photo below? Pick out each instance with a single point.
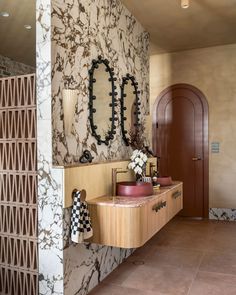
(163, 204)
(159, 206)
(156, 208)
(176, 194)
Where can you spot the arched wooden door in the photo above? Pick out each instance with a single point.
(180, 139)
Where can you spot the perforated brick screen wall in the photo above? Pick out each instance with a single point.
(18, 187)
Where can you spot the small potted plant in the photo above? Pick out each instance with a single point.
(138, 142)
(138, 163)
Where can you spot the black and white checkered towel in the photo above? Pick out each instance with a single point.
(81, 228)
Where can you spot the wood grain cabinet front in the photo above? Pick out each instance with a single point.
(157, 214)
(131, 222)
(123, 227)
(175, 201)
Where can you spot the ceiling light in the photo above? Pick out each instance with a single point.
(185, 4)
(4, 14)
(27, 27)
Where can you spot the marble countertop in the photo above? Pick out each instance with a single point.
(119, 201)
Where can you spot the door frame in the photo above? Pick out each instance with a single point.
(205, 108)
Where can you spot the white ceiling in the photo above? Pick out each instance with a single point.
(205, 23)
(15, 41)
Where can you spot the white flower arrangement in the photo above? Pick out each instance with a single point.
(138, 162)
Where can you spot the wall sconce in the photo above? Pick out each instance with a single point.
(69, 99)
(185, 4)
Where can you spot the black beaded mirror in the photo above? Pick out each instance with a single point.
(102, 101)
(130, 107)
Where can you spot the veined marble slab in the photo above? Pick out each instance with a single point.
(50, 180)
(83, 30)
(69, 35)
(222, 214)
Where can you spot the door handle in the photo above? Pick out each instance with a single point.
(196, 159)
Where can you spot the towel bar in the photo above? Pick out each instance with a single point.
(83, 194)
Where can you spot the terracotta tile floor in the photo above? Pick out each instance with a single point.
(192, 257)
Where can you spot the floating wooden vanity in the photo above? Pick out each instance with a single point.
(128, 222)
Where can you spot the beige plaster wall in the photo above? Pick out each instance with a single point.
(213, 71)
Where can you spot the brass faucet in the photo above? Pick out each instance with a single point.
(151, 169)
(115, 171)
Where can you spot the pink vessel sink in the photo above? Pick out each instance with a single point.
(164, 180)
(134, 189)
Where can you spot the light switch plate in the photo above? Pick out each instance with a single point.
(215, 147)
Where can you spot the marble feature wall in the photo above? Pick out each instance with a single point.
(50, 180)
(9, 67)
(222, 214)
(78, 32)
(86, 265)
(82, 30)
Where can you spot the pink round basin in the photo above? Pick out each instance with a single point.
(134, 189)
(164, 180)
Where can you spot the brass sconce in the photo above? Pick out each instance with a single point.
(185, 4)
(69, 99)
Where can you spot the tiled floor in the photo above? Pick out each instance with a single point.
(187, 257)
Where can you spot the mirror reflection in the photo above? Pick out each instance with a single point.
(129, 102)
(102, 94)
(101, 89)
(130, 107)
